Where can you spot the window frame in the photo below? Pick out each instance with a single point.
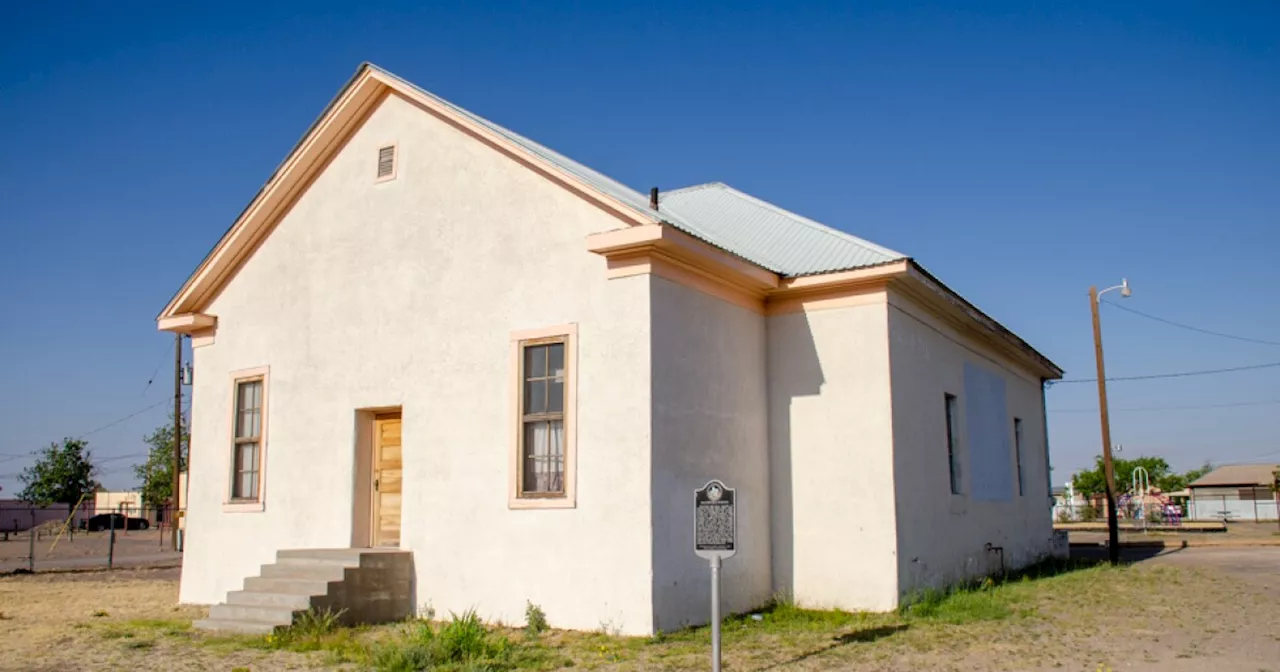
(395, 162)
(516, 497)
(1017, 456)
(232, 504)
(951, 407)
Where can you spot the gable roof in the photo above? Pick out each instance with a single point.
(777, 239)
(765, 236)
(1238, 474)
(755, 230)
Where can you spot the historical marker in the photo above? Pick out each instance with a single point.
(715, 537)
(715, 521)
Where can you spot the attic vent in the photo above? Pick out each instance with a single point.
(387, 162)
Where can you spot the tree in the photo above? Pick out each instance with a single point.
(62, 475)
(156, 473)
(1176, 482)
(1092, 482)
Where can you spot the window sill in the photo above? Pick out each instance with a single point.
(242, 507)
(541, 503)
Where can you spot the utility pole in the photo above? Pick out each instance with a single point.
(177, 437)
(1108, 469)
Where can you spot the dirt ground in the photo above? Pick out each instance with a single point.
(88, 549)
(1182, 610)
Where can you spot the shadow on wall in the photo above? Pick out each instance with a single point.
(793, 371)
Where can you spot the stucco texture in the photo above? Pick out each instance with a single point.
(404, 294)
(831, 457)
(709, 421)
(943, 537)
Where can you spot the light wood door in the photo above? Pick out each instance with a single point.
(387, 471)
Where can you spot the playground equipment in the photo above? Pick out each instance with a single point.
(1144, 502)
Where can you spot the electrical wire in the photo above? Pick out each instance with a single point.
(1179, 374)
(1167, 408)
(152, 378)
(1189, 327)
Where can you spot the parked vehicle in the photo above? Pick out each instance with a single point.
(103, 521)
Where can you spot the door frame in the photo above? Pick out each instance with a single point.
(374, 491)
(364, 456)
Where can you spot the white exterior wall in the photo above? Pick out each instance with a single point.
(709, 421)
(405, 293)
(831, 457)
(942, 537)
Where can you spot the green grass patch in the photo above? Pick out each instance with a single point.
(463, 644)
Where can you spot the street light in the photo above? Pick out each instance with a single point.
(1113, 526)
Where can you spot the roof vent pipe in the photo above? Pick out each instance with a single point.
(653, 198)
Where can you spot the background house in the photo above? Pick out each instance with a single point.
(1235, 492)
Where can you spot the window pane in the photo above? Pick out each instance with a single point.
(535, 361)
(555, 396)
(543, 457)
(555, 357)
(535, 396)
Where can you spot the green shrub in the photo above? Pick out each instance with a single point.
(464, 643)
(308, 631)
(535, 620)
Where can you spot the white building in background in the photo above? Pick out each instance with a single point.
(1235, 492)
(427, 332)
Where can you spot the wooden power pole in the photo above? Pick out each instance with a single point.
(1108, 469)
(177, 438)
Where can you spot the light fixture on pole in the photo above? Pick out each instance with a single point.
(1108, 470)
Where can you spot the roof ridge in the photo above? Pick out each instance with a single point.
(693, 187)
(815, 225)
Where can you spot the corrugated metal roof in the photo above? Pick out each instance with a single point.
(766, 234)
(1238, 474)
(743, 225)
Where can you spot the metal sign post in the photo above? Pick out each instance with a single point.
(715, 523)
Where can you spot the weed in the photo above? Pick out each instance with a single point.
(464, 643)
(308, 632)
(535, 620)
(100, 614)
(139, 644)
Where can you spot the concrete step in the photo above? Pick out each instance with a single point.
(298, 601)
(268, 615)
(343, 557)
(313, 572)
(243, 627)
(268, 584)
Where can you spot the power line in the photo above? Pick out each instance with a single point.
(152, 378)
(1189, 327)
(127, 417)
(1180, 374)
(1187, 407)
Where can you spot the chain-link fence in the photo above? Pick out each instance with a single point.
(62, 537)
(1217, 508)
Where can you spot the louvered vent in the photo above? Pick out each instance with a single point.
(386, 162)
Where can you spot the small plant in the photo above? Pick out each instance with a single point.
(100, 614)
(535, 619)
(307, 631)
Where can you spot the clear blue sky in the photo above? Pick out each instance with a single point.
(1021, 153)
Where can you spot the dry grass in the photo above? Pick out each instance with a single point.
(1139, 617)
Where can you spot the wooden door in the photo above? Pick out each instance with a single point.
(386, 480)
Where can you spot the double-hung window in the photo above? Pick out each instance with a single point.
(544, 443)
(248, 436)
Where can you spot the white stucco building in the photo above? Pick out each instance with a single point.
(427, 332)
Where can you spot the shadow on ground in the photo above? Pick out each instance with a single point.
(857, 636)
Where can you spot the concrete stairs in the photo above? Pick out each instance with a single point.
(369, 585)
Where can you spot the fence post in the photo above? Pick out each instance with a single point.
(111, 545)
(31, 544)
